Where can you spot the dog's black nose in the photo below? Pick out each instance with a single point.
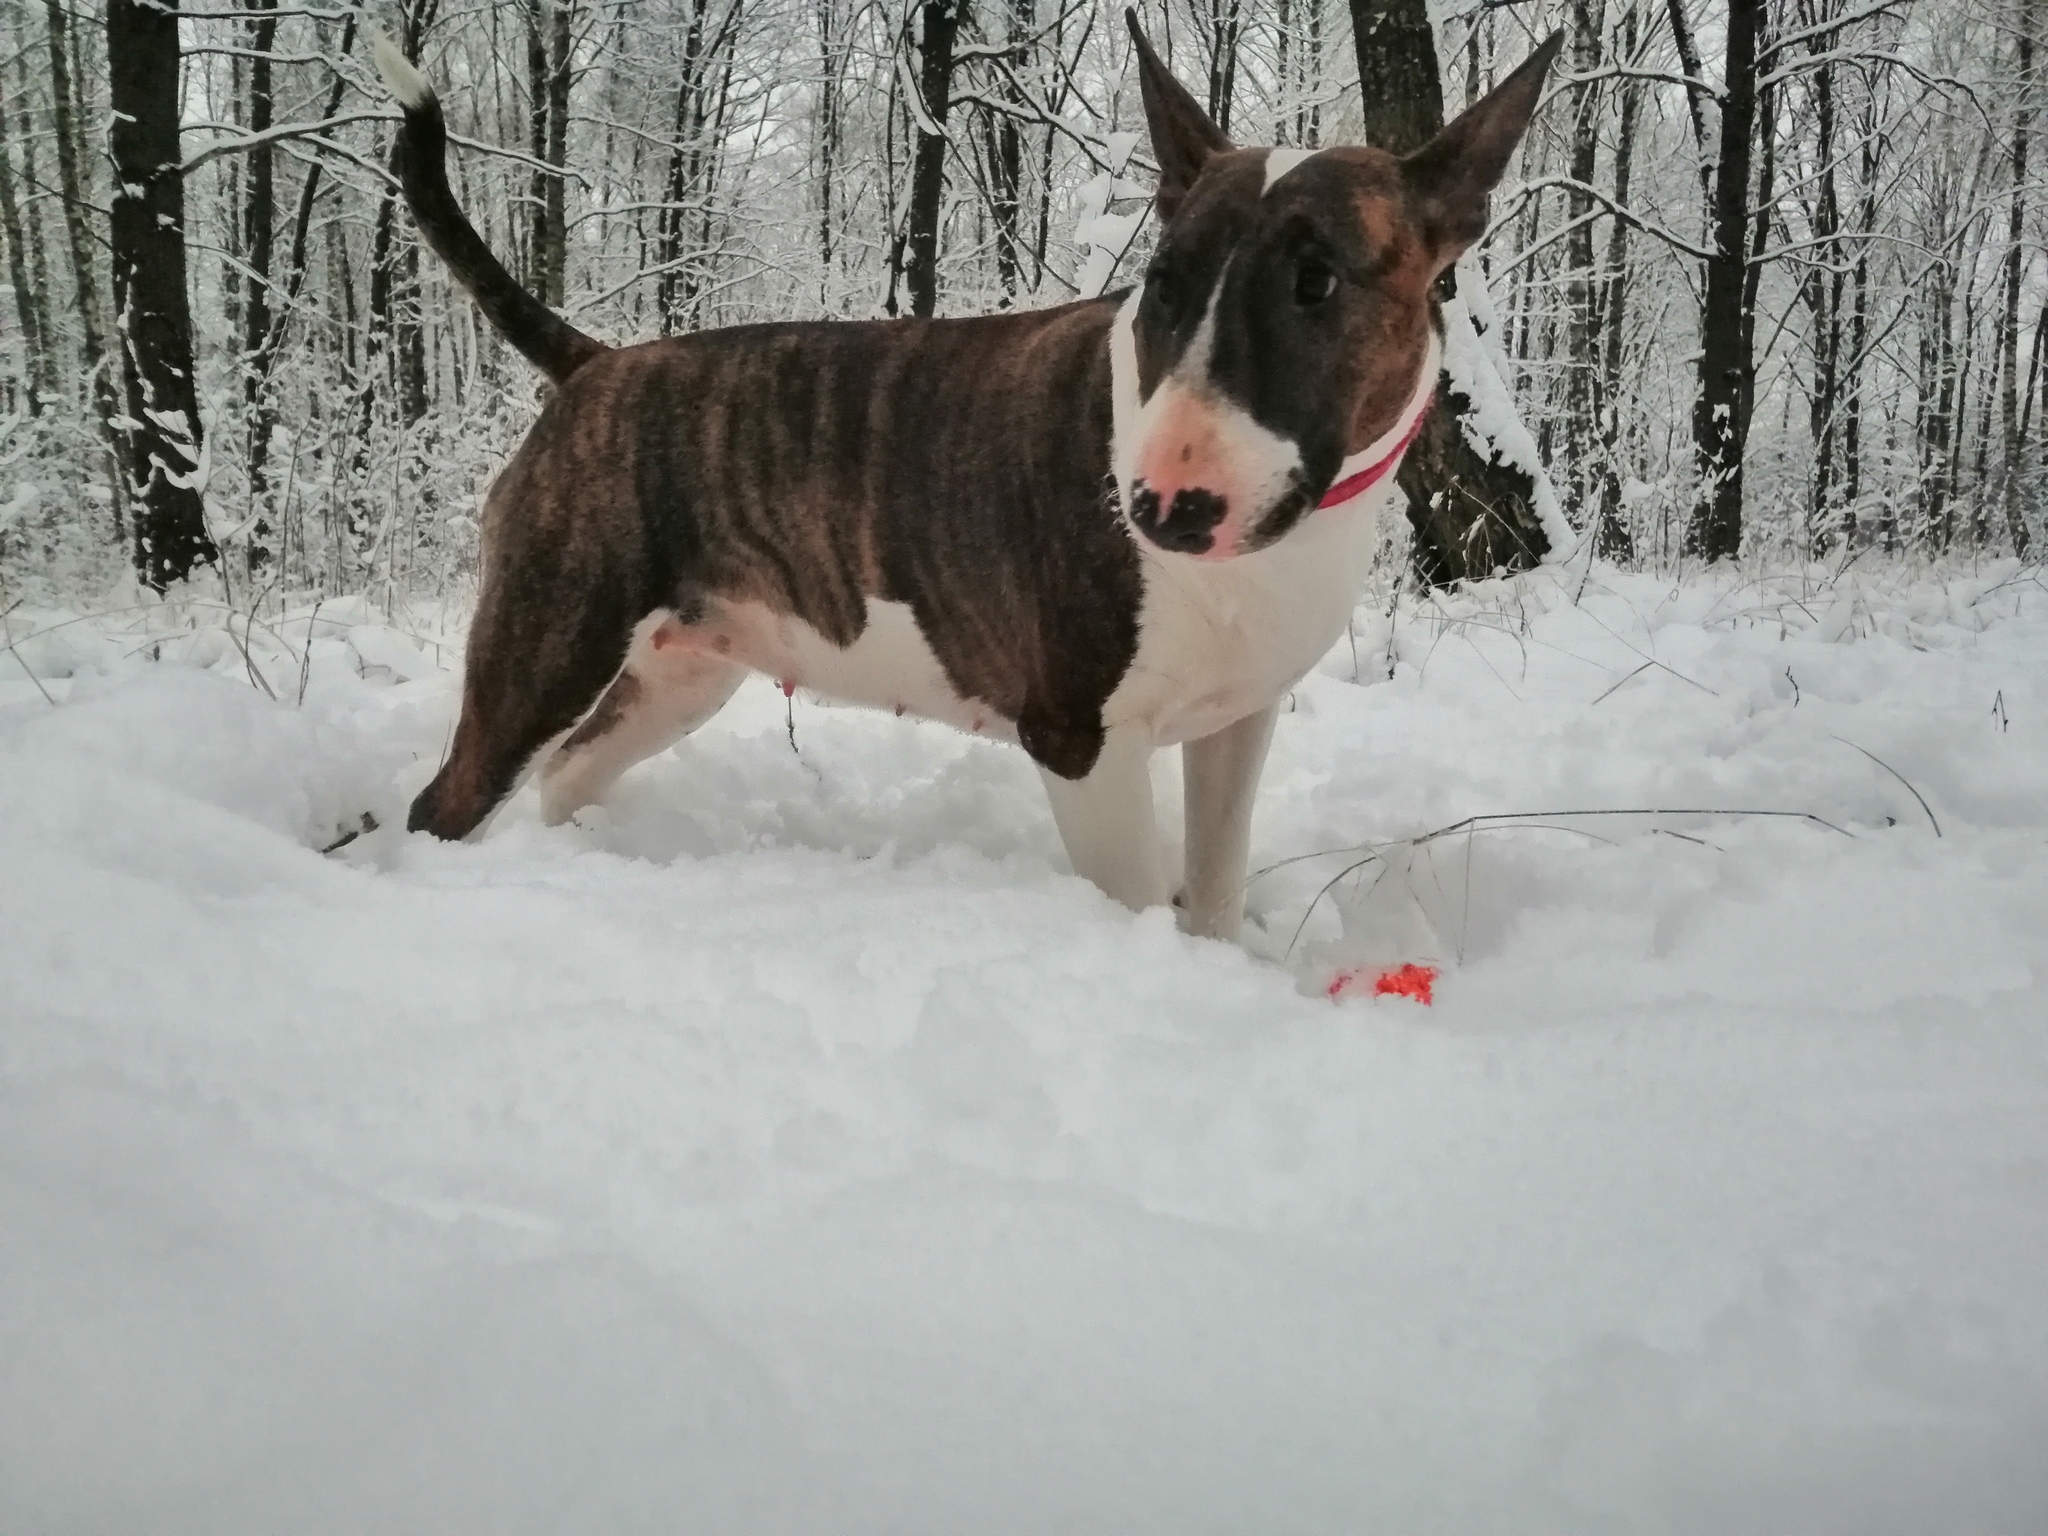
(1187, 525)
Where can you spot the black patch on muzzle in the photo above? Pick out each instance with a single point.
(1188, 526)
(1289, 510)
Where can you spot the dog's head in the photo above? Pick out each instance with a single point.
(1285, 324)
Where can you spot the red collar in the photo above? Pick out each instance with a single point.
(1373, 474)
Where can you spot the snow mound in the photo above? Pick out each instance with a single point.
(791, 1145)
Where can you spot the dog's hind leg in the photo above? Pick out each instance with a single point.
(665, 691)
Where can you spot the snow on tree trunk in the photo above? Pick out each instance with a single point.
(161, 435)
(1478, 498)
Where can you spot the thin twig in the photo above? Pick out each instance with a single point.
(369, 825)
(1328, 886)
(1533, 821)
(306, 660)
(1888, 768)
(1639, 671)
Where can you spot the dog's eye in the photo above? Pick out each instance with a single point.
(1313, 283)
(1160, 282)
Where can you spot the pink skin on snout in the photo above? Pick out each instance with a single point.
(1185, 450)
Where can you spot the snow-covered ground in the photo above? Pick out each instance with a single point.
(793, 1147)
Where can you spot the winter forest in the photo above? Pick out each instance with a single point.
(1572, 1060)
(1766, 279)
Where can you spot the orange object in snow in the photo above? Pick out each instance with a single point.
(1410, 981)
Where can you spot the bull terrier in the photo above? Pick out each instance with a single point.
(1096, 530)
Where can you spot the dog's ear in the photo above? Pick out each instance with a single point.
(1452, 175)
(1183, 138)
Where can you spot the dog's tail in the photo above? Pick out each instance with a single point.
(549, 342)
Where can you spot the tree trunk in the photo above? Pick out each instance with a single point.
(1006, 160)
(686, 129)
(2015, 264)
(377, 326)
(32, 227)
(1966, 366)
(1472, 511)
(535, 243)
(263, 346)
(1283, 68)
(831, 119)
(258, 229)
(939, 26)
(1859, 328)
(1937, 483)
(72, 184)
(693, 163)
(1696, 92)
(161, 435)
(1615, 539)
(1823, 292)
(409, 326)
(554, 263)
(1308, 116)
(710, 161)
(85, 289)
(1720, 420)
(1581, 362)
(1223, 23)
(1398, 81)
(27, 301)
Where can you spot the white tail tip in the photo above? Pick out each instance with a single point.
(405, 82)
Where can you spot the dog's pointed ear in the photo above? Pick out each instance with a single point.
(1452, 175)
(1183, 138)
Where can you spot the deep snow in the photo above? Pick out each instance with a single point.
(791, 1146)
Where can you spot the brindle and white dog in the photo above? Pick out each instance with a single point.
(1097, 530)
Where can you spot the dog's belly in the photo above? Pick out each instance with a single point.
(1217, 641)
(890, 666)
(1220, 640)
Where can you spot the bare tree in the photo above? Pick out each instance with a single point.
(1720, 423)
(161, 433)
(259, 227)
(1473, 511)
(2011, 471)
(28, 306)
(1878, 330)
(938, 29)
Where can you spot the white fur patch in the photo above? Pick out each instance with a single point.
(1124, 404)
(1280, 161)
(890, 666)
(1220, 640)
(403, 81)
(1261, 462)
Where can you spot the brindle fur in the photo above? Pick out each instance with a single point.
(958, 467)
(810, 468)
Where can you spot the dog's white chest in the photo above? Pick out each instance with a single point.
(1218, 641)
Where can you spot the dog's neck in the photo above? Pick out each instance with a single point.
(1378, 459)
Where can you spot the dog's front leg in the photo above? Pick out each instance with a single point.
(1221, 773)
(1106, 820)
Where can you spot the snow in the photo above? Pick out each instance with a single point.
(1479, 370)
(791, 1146)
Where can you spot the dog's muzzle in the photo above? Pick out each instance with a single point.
(1186, 524)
